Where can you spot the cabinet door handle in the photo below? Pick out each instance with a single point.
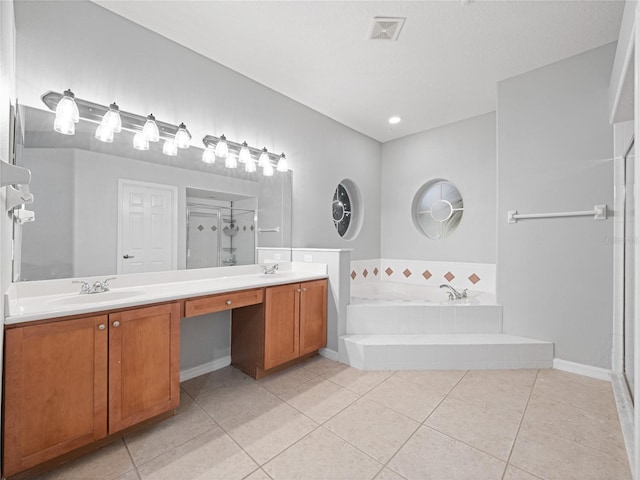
(299, 290)
(228, 302)
(116, 324)
(101, 326)
(304, 289)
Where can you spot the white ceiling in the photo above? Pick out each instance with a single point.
(443, 68)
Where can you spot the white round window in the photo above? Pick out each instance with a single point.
(346, 209)
(437, 209)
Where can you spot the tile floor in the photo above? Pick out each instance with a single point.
(325, 420)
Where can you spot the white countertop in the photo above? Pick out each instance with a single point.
(30, 301)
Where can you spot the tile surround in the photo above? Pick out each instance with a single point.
(454, 424)
(474, 276)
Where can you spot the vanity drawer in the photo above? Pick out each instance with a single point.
(222, 301)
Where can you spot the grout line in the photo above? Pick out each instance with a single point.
(133, 462)
(524, 413)
(175, 446)
(421, 424)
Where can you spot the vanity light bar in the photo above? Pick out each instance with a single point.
(234, 148)
(94, 112)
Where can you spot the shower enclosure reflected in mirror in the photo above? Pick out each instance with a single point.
(106, 208)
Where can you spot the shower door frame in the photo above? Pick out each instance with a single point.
(629, 237)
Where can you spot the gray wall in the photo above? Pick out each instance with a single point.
(145, 72)
(555, 149)
(48, 243)
(464, 153)
(103, 57)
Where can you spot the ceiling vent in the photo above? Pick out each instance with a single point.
(386, 28)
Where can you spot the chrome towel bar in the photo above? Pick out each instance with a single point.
(599, 212)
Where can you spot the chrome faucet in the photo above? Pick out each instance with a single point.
(97, 287)
(269, 270)
(453, 293)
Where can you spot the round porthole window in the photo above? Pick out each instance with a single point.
(345, 209)
(437, 209)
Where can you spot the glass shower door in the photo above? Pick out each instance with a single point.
(203, 237)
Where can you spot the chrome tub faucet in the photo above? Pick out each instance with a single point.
(453, 293)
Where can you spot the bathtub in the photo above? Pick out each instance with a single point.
(400, 326)
(398, 308)
(389, 292)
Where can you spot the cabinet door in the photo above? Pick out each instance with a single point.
(313, 316)
(55, 390)
(144, 364)
(281, 325)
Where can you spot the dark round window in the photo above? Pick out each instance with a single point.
(341, 208)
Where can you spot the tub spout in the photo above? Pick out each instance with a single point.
(453, 293)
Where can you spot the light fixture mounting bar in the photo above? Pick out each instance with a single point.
(234, 147)
(94, 112)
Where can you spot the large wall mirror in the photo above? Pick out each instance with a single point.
(106, 209)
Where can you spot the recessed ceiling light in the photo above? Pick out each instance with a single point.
(394, 120)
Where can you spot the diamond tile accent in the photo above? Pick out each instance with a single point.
(214, 228)
(365, 273)
(251, 227)
(244, 229)
(449, 276)
(473, 278)
(427, 274)
(375, 271)
(353, 275)
(388, 271)
(407, 272)
(200, 227)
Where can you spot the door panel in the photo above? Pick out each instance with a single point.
(313, 316)
(147, 221)
(281, 329)
(55, 390)
(144, 364)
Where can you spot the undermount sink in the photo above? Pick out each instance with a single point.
(92, 298)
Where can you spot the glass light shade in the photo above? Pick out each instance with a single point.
(111, 119)
(66, 127)
(182, 137)
(231, 161)
(283, 165)
(150, 129)
(267, 170)
(67, 110)
(209, 155)
(264, 159)
(245, 154)
(170, 148)
(250, 166)
(104, 133)
(139, 142)
(222, 149)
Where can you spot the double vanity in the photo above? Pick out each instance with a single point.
(84, 369)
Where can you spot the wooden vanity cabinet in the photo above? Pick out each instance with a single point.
(70, 383)
(55, 390)
(144, 364)
(291, 323)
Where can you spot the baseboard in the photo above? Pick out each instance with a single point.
(194, 372)
(582, 369)
(328, 353)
